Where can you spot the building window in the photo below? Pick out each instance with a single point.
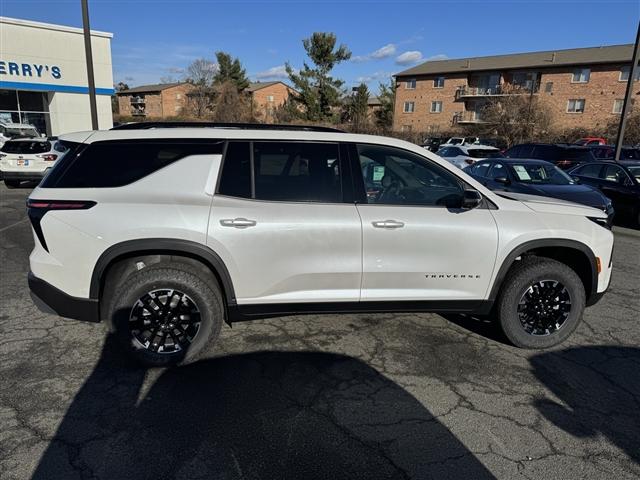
(617, 105)
(409, 107)
(548, 87)
(624, 74)
(270, 98)
(575, 105)
(436, 107)
(438, 82)
(410, 84)
(581, 75)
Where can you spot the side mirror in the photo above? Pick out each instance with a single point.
(471, 199)
(502, 180)
(575, 179)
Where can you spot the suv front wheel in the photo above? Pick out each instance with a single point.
(541, 304)
(165, 315)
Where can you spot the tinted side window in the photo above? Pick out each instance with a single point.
(589, 170)
(498, 171)
(297, 172)
(235, 179)
(520, 151)
(397, 177)
(481, 169)
(117, 163)
(613, 173)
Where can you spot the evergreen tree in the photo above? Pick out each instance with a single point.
(356, 108)
(384, 115)
(318, 92)
(230, 70)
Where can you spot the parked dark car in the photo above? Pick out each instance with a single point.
(562, 155)
(619, 181)
(604, 152)
(537, 177)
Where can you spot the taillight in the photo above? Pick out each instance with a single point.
(48, 157)
(564, 163)
(36, 209)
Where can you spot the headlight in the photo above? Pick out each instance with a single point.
(603, 222)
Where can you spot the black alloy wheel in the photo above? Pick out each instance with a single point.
(164, 321)
(544, 307)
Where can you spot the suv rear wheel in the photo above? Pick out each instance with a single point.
(166, 314)
(541, 304)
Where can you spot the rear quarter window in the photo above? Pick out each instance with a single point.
(118, 163)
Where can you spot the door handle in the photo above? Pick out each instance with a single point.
(237, 222)
(388, 224)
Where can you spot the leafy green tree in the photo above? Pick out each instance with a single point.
(230, 70)
(318, 92)
(384, 114)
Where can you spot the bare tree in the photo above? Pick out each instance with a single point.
(200, 74)
(518, 116)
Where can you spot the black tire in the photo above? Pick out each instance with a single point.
(528, 278)
(193, 289)
(12, 183)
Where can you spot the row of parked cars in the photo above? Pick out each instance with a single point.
(26, 154)
(584, 172)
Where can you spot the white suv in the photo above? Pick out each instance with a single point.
(168, 232)
(28, 159)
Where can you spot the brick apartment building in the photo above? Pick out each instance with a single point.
(267, 96)
(582, 87)
(154, 101)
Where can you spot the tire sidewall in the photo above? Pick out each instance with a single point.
(518, 284)
(208, 303)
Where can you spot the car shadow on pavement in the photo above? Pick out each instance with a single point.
(272, 415)
(598, 388)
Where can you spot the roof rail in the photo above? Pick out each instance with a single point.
(233, 126)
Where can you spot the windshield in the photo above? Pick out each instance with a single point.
(582, 141)
(25, 147)
(541, 174)
(28, 132)
(455, 141)
(635, 171)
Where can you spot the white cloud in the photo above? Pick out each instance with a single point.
(433, 58)
(274, 73)
(407, 58)
(386, 51)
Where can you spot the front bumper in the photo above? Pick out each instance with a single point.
(49, 299)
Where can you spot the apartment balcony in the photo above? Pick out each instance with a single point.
(500, 90)
(469, 117)
(137, 101)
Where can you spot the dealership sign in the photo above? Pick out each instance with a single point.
(15, 69)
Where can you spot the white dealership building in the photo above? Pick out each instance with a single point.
(43, 76)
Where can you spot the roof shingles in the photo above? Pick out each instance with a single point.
(550, 58)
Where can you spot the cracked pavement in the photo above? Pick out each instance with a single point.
(321, 396)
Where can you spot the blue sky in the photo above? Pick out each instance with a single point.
(159, 38)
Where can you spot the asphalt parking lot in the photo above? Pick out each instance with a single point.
(351, 396)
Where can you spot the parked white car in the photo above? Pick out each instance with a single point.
(167, 233)
(28, 159)
(9, 131)
(464, 155)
